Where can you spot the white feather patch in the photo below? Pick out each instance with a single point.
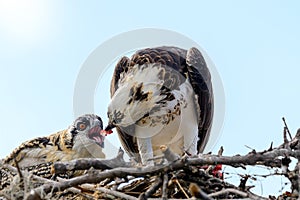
(180, 133)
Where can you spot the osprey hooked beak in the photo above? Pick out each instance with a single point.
(111, 123)
(109, 127)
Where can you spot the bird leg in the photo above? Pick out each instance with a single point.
(190, 143)
(145, 150)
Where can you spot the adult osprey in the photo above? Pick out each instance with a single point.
(161, 96)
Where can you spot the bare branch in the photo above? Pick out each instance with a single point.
(227, 191)
(196, 192)
(221, 150)
(151, 190)
(18, 169)
(286, 127)
(243, 194)
(87, 163)
(108, 191)
(165, 186)
(181, 188)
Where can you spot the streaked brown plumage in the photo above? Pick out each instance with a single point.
(82, 139)
(176, 70)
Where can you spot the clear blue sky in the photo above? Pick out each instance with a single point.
(254, 45)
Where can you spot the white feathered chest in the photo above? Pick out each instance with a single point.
(159, 110)
(161, 96)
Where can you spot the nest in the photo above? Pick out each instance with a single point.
(111, 182)
(174, 177)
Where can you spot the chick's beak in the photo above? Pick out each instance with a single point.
(96, 134)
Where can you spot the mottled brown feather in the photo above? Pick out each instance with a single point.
(60, 140)
(190, 64)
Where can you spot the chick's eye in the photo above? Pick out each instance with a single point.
(81, 126)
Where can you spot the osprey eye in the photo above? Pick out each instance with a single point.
(81, 126)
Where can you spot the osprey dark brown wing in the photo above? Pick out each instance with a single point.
(121, 67)
(200, 79)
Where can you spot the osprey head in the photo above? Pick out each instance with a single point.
(130, 103)
(140, 94)
(89, 127)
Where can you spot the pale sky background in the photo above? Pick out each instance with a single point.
(254, 45)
